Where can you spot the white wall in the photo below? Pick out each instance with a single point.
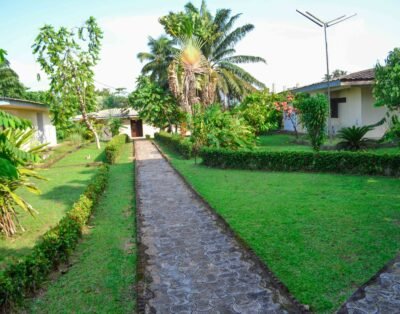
(48, 134)
(372, 114)
(147, 129)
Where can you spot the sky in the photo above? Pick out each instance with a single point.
(292, 45)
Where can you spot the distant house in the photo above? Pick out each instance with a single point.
(352, 102)
(37, 113)
(133, 125)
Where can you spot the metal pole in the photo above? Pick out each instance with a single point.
(328, 76)
(325, 25)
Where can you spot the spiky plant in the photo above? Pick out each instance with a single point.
(353, 138)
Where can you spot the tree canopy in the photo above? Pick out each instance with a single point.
(387, 81)
(68, 58)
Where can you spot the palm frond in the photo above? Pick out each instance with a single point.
(244, 59)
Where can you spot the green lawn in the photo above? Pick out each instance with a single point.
(280, 142)
(67, 179)
(102, 277)
(323, 235)
(286, 142)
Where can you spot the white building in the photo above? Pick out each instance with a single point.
(37, 113)
(352, 102)
(133, 126)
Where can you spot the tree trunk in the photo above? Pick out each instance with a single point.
(86, 119)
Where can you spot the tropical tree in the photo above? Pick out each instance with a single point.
(353, 138)
(10, 85)
(188, 63)
(387, 81)
(68, 58)
(161, 54)
(218, 35)
(155, 105)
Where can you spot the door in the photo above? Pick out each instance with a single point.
(136, 128)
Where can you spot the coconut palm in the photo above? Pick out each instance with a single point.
(162, 52)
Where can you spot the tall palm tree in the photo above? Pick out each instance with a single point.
(162, 52)
(231, 80)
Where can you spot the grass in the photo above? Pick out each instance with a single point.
(323, 235)
(286, 142)
(67, 179)
(101, 279)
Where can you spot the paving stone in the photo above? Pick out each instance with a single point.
(194, 265)
(381, 295)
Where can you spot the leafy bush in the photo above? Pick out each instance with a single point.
(313, 115)
(182, 146)
(213, 127)
(339, 162)
(20, 279)
(259, 111)
(114, 147)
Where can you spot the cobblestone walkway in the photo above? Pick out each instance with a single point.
(193, 265)
(381, 295)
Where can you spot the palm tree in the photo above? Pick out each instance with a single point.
(231, 81)
(183, 72)
(162, 52)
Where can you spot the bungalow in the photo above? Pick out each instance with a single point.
(37, 113)
(133, 126)
(352, 102)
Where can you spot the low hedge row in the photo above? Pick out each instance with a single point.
(22, 278)
(182, 146)
(114, 147)
(337, 162)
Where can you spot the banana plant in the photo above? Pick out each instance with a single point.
(17, 152)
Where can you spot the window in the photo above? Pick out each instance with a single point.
(335, 106)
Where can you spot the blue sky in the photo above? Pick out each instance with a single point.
(292, 46)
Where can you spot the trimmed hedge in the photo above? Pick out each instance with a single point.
(22, 278)
(114, 147)
(182, 146)
(336, 162)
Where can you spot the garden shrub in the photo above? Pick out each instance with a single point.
(313, 115)
(114, 147)
(182, 146)
(335, 162)
(20, 279)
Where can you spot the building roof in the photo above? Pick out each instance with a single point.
(8, 102)
(110, 113)
(365, 77)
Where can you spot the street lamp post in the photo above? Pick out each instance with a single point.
(325, 25)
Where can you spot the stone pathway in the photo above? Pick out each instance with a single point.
(190, 263)
(380, 295)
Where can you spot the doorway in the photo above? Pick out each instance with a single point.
(136, 128)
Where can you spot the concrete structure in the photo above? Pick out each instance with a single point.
(133, 125)
(37, 113)
(352, 102)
